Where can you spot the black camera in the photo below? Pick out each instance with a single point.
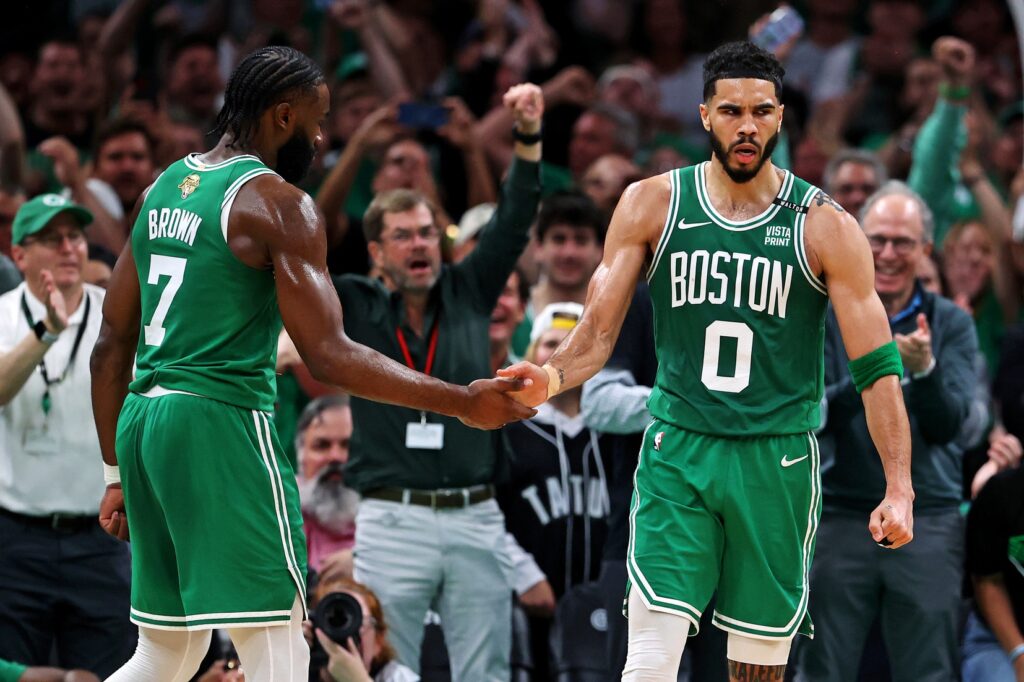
(339, 616)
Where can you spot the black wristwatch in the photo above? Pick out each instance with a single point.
(525, 138)
(42, 333)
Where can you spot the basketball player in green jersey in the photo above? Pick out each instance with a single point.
(742, 258)
(223, 248)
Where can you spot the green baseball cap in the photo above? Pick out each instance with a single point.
(37, 213)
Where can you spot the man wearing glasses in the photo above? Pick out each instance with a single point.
(64, 582)
(916, 591)
(429, 532)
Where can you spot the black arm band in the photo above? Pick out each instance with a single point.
(526, 138)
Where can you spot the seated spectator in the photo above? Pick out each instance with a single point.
(556, 497)
(328, 507)
(993, 648)
(373, 659)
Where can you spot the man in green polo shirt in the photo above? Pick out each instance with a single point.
(429, 531)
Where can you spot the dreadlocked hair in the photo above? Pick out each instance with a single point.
(260, 81)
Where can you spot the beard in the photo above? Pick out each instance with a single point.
(329, 500)
(295, 157)
(740, 175)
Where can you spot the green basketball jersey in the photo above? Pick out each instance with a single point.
(209, 322)
(738, 315)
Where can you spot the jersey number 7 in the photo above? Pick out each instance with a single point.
(163, 266)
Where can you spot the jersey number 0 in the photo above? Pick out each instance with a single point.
(712, 349)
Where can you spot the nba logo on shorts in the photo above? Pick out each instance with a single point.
(657, 439)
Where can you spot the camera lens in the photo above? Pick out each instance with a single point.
(340, 617)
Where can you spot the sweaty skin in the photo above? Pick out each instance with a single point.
(275, 225)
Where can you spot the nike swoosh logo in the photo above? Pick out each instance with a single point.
(683, 225)
(786, 462)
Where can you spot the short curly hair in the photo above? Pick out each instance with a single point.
(741, 59)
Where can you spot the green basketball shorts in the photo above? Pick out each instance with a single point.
(213, 512)
(732, 515)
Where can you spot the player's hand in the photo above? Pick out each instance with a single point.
(539, 600)
(527, 104)
(892, 521)
(112, 516)
(56, 310)
(916, 348)
(491, 404)
(956, 57)
(534, 382)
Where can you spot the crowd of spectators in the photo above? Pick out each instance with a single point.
(449, 234)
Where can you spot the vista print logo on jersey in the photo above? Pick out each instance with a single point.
(189, 184)
(777, 235)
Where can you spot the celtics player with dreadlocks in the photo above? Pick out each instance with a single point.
(742, 258)
(224, 248)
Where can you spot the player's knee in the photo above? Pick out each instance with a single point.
(758, 651)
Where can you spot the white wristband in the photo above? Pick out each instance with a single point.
(111, 474)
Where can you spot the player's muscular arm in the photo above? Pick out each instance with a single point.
(635, 228)
(838, 249)
(111, 367)
(114, 352)
(285, 223)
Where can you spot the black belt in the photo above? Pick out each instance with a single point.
(64, 523)
(444, 498)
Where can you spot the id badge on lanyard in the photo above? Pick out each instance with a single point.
(422, 435)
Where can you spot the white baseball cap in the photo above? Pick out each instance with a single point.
(564, 315)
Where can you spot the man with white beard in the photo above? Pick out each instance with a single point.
(328, 505)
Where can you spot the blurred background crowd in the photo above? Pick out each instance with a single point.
(97, 97)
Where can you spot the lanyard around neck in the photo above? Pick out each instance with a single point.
(431, 349)
(47, 381)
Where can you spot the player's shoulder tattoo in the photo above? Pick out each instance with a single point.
(822, 199)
